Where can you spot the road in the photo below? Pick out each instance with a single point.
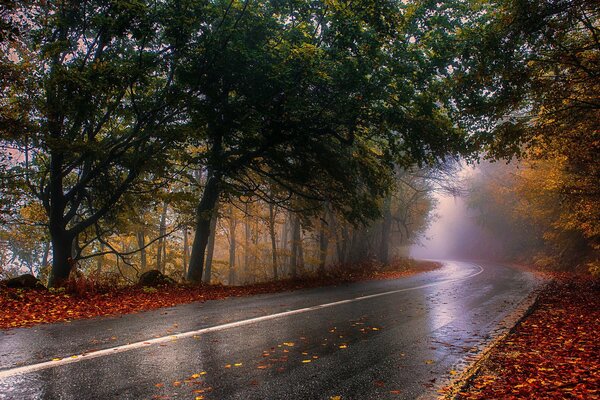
(392, 339)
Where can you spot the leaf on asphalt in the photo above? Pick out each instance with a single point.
(343, 346)
(429, 361)
(306, 361)
(19, 309)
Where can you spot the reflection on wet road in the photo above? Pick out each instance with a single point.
(371, 340)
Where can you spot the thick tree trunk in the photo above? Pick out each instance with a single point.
(62, 247)
(203, 217)
(386, 226)
(232, 244)
(211, 247)
(141, 238)
(273, 240)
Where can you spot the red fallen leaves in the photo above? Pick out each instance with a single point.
(553, 354)
(27, 308)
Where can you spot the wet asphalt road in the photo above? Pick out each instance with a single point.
(397, 345)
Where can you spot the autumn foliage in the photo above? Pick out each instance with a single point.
(85, 299)
(554, 353)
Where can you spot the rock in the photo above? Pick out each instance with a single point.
(25, 281)
(154, 278)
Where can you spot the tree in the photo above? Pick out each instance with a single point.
(537, 81)
(97, 109)
(313, 97)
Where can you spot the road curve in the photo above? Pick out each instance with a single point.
(371, 340)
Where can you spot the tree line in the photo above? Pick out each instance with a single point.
(117, 112)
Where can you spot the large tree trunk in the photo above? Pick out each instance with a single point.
(232, 243)
(62, 247)
(386, 226)
(211, 246)
(204, 213)
(273, 240)
(141, 238)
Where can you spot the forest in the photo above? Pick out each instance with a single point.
(239, 141)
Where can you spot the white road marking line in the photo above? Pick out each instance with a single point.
(145, 343)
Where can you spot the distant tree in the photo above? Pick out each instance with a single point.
(533, 73)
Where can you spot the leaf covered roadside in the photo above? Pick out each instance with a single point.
(554, 353)
(19, 308)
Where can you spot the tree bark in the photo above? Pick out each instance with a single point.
(162, 230)
(141, 237)
(100, 261)
(386, 226)
(248, 233)
(61, 238)
(62, 246)
(273, 240)
(295, 246)
(284, 241)
(344, 248)
(185, 250)
(211, 246)
(323, 245)
(45, 254)
(204, 212)
(232, 244)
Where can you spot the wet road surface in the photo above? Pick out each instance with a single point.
(371, 340)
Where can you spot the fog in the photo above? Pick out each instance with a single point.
(454, 232)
